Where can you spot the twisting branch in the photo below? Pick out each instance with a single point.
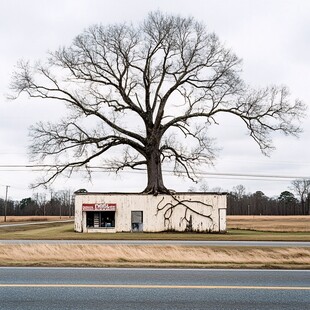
(185, 204)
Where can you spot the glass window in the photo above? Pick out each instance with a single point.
(107, 219)
(100, 219)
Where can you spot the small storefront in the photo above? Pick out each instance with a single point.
(99, 215)
(130, 212)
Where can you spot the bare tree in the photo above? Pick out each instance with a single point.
(204, 187)
(40, 199)
(302, 189)
(149, 92)
(239, 191)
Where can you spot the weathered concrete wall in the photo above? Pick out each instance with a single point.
(204, 212)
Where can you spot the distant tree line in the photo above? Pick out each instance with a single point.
(61, 203)
(58, 203)
(293, 202)
(260, 204)
(240, 203)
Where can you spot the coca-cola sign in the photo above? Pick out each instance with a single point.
(99, 206)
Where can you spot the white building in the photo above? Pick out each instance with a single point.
(130, 212)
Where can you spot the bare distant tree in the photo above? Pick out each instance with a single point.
(150, 92)
(239, 191)
(192, 189)
(40, 199)
(302, 189)
(218, 189)
(204, 187)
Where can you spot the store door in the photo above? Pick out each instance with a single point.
(136, 221)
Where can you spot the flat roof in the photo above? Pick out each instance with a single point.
(132, 193)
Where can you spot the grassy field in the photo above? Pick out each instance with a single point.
(270, 223)
(65, 231)
(23, 219)
(240, 228)
(256, 222)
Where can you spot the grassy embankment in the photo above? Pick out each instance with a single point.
(292, 228)
(264, 228)
(152, 256)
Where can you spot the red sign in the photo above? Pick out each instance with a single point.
(98, 206)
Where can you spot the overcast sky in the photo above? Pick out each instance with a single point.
(272, 37)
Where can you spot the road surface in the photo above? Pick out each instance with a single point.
(92, 288)
(4, 225)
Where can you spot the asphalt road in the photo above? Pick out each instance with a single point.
(79, 288)
(166, 242)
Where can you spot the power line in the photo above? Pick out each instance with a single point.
(105, 169)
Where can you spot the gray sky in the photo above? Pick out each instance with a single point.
(272, 37)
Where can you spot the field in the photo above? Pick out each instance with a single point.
(152, 256)
(270, 223)
(240, 228)
(22, 219)
(263, 228)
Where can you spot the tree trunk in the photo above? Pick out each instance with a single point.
(155, 184)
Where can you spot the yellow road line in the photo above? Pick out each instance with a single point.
(134, 286)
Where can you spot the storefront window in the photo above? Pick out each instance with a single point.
(107, 219)
(104, 219)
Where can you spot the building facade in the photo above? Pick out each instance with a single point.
(131, 212)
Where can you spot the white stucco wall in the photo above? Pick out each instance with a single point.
(204, 212)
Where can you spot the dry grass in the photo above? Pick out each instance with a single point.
(143, 255)
(19, 219)
(64, 231)
(161, 256)
(270, 223)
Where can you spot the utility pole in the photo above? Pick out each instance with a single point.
(6, 201)
(69, 204)
(60, 209)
